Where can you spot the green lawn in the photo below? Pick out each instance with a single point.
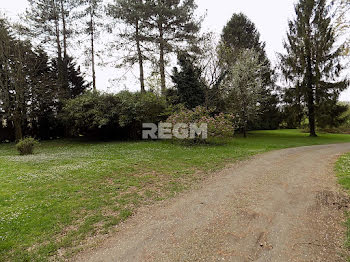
(70, 190)
(343, 171)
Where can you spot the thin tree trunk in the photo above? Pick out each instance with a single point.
(64, 31)
(311, 104)
(139, 53)
(92, 51)
(19, 85)
(18, 128)
(65, 56)
(161, 59)
(59, 48)
(245, 125)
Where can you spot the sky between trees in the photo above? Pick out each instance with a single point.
(270, 17)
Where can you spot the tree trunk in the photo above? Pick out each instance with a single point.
(65, 56)
(139, 53)
(161, 59)
(59, 48)
(92, 51)
(245, 125)
(19, 86)
(64, 31)
(310, 104)
(18, 128)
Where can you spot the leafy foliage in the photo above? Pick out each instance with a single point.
(110, 115)
(312, 64)
(244, 88)
(30, 93)
(172, 26)
(221, 125)
(132, 14)
(189, 86)
(240, 34)
(26, 146)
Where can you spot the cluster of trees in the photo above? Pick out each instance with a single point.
(30, 92)
(44, 94)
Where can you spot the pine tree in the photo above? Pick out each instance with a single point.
(25, 81)
(312, 61)
(49, 21)
(241, 33)
(172, 26)
(76, 84)
(91, 11)
(342, 20)
(189, 86)
(132, 14)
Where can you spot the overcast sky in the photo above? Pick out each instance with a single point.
(269, 16)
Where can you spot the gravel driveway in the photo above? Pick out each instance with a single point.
(280, 206)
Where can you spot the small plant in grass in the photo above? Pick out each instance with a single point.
(26, 146)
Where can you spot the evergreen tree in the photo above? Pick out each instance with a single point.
(91, 11)
(293, 110)
(131, 13)
(342, 20)
(49, 21)
(42, 109)
(25, 81)
(189, 87)
(312, 62)
(239, 34)
(172, 26)
(76, 82)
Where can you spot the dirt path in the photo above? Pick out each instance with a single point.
(280, 206)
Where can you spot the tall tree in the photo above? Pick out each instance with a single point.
(240, 33)
(172, 26)
(244, 87)
(24, 70)
(342, 20)
(91, 11)
(132, 14)
(313, 61)
(49, 22)
(213, 74)
(189, 85)
(76, 84)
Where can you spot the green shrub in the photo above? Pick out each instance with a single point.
(113, 115)
(26, 146)
(220, 125)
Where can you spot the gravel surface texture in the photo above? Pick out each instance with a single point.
(280, 206)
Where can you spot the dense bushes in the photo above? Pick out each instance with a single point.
(112, 115)
(26, 146)
(121, 115)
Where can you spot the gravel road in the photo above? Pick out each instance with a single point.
(280, 206)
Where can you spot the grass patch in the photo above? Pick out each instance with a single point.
(343, 172)
(68, 191)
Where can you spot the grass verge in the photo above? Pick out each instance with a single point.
(68, 191)
(343, 172)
